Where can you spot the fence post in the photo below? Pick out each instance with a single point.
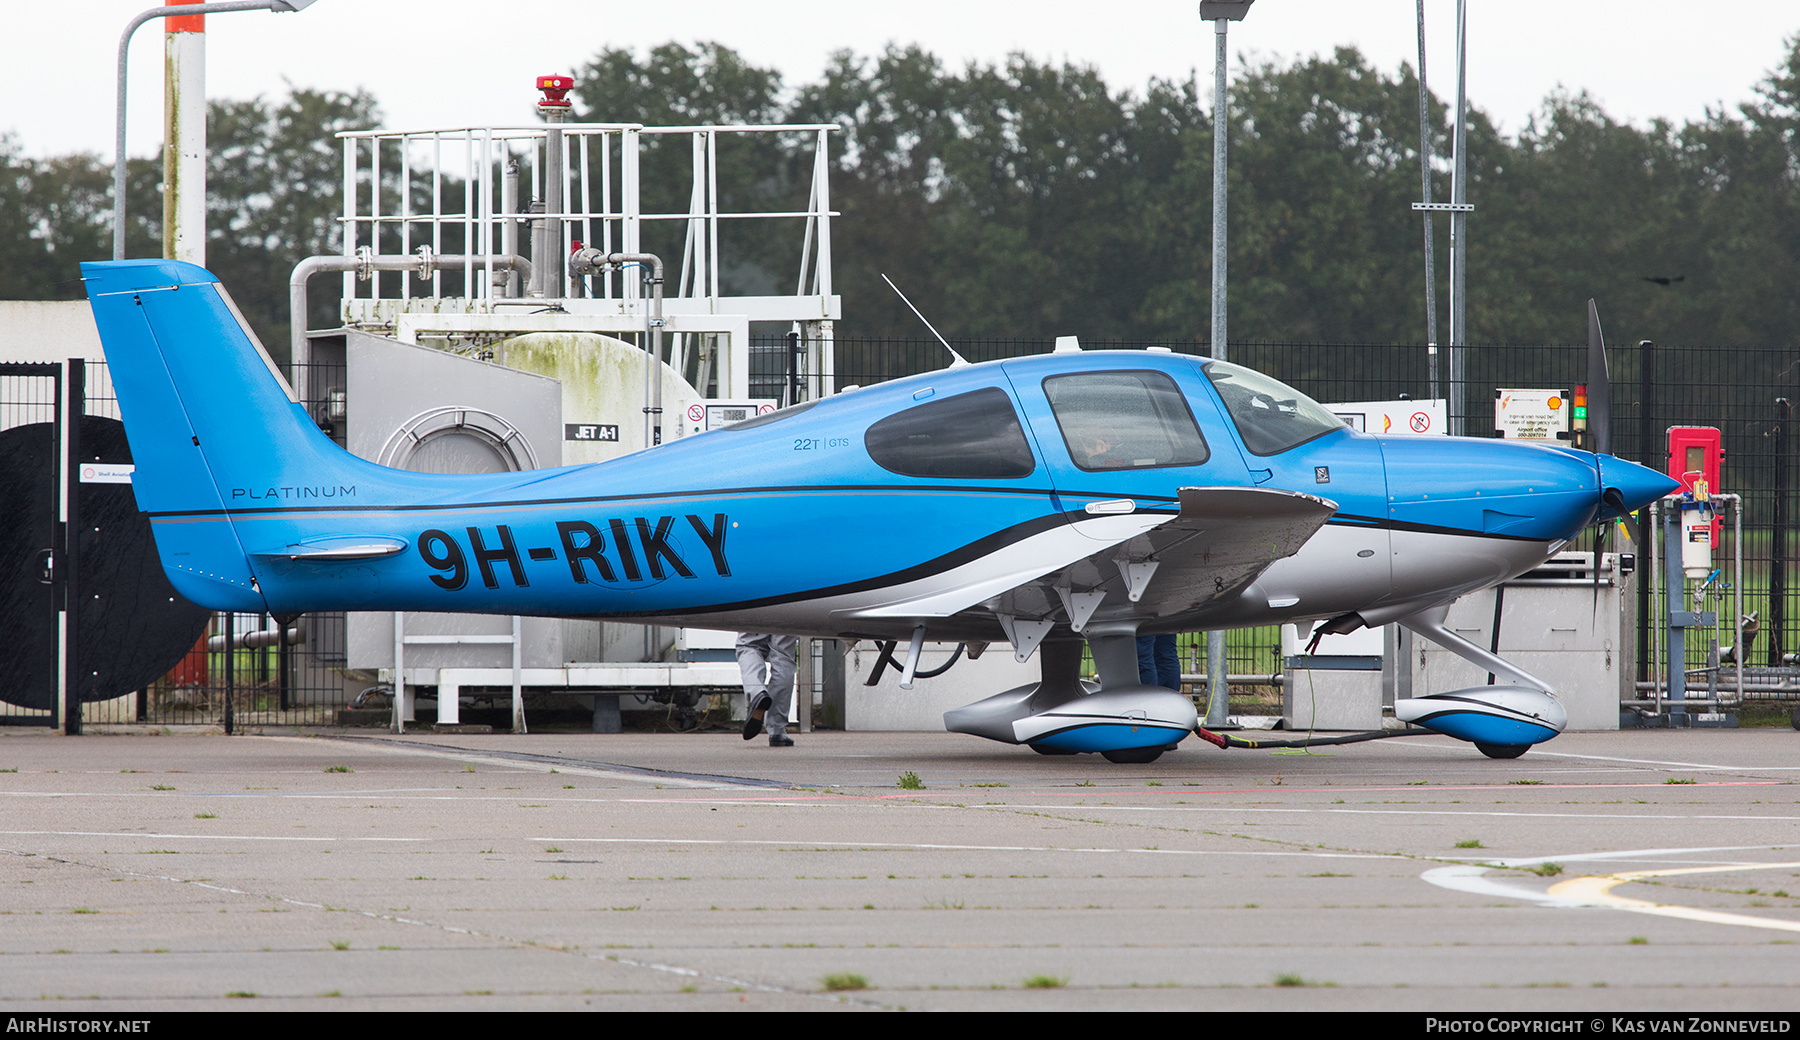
(230, 669)
(793, 370)
(74, 407)
(1784, 410)
(1647, 455)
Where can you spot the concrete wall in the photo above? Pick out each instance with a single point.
(48, 330)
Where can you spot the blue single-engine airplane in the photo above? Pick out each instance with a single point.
(1037, 501)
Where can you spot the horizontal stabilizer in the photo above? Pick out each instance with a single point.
(329, 550)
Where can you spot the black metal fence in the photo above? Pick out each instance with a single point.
(302, 680)
(1741, 390)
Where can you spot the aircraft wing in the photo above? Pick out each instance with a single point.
(1114, 563)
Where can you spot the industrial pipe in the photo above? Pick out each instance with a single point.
(588, 260)
(294, 635)
(178, 10)
(365, 263)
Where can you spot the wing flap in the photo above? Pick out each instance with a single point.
(1219, 543)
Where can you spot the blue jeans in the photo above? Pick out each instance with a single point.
(1158, 663)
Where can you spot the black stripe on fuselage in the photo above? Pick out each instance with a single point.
(949, 561)
(652, 496)
(1351, 520)
(1337, 519)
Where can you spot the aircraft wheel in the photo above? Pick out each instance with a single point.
(1133, 756)
(1045, 749)
(1503, 750)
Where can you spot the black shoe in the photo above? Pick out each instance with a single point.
(754, 723)
(781, 740)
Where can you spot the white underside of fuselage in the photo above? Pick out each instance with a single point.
(899, 607)
(1341, 568)
(1331, 576)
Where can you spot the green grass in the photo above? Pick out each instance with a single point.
(909, 781)
(1469, 843)
(339, 769)
(842, 981)
(1046, 982)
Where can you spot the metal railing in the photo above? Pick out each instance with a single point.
(456, 190)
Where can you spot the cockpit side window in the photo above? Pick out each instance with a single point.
(1270, 415)
(970, 436)
(1125, 420)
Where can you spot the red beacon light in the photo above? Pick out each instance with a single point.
(556, 91)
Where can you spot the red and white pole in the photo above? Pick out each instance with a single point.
(184, 136)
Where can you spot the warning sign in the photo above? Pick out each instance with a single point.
(1531, 415)
(1392, 417)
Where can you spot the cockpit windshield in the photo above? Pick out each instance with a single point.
(1270, 415)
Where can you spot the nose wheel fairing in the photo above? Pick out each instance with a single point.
(1503, 716)
(1517, 714)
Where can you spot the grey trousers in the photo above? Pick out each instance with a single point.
(767, 663)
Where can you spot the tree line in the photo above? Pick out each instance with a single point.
(1028, 200)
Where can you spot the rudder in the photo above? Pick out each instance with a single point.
(188, 372)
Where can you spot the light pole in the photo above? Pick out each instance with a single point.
(1459, 210)
(1221, 13)
(124, 52)
(1459, 231)
(1431, 343)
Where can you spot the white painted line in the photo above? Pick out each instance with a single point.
(184, 837)
(1597, 891)
(1711, 766)
(800, 843)
(1242, 809)
(454, 755)
(1474, 880)
(1590, 892)
(1537, 753)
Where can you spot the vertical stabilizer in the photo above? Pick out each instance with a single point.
(212, 425)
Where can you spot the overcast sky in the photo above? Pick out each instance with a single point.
(462, 62)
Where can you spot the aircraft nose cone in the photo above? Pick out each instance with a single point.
(1627, 486)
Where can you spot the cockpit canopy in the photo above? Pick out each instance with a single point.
(1270, 415)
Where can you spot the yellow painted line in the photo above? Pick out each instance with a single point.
(1597, 891)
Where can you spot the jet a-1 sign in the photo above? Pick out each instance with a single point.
(1038, 502)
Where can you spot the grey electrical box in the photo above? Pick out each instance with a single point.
(432, 411)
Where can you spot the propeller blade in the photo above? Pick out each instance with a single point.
(1599, 395)
(1599, 551)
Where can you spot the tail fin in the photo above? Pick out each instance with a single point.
(187, 370)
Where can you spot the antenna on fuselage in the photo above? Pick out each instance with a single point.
(959, 359)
